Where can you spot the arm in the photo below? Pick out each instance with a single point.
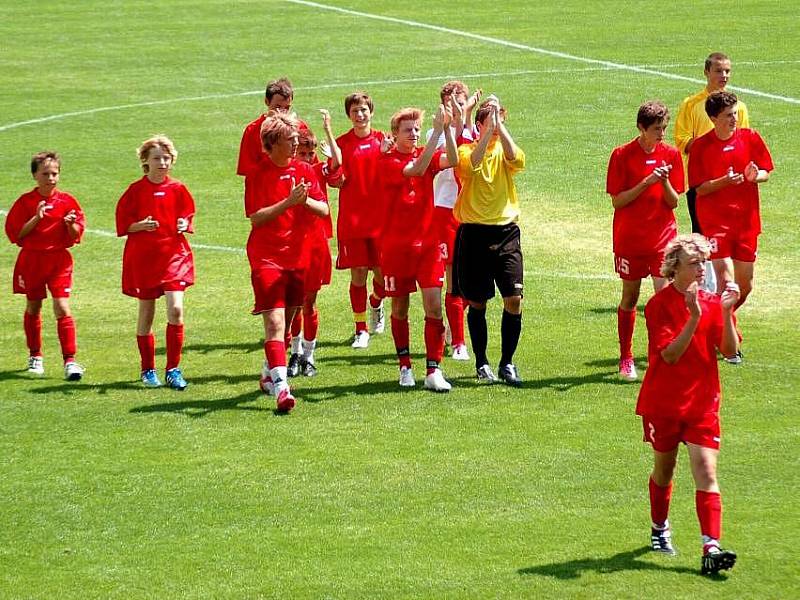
(714, 185)
(31, 223)
(72, 224)
(673, 352)
(755, 175)
(297, 195)
(476, 158)
(336, 152)
(451, 158)
(418, 167)
(317, 207)
(730, 338)
(684, 135)
(658, 174)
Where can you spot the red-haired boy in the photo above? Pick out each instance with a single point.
(645, 177)
(44, 223)
(410, 252)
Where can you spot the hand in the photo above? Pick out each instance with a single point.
(440, 118)
(146, 224)
(70, 217)
(456, 111)
(41, 209)
(325, 149)
(730, 296)
(473, 100)
(183, 225)
(326, 119)
(751, 172)
(733, 178)
(299, 193)
(387, 144)
(692, 303)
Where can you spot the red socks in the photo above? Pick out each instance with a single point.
(147, 351)
(174, 345)
(33, 333)
(709, 513)
(454, 307)
(400, 336)
(358, 302)
(659, 502)
(377, 295)
(434, 341)
(311, 325)
(626, 319)
(67, 337)
(297, 324)
(275, 351)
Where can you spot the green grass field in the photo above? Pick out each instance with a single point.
(108, 490)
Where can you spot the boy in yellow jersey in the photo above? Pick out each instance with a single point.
(693, 122)
(487, 247)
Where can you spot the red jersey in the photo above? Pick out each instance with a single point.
(51, 232)
(734, 206)
(409, 210)
(689, 388)
(251, 151)
(360, 208)
(645, 225)
(152, 258)
(280, 243)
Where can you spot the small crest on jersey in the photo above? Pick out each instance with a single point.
(728, 148)
(652, 161)
(286, 176)
(159, 194)
(365, 146)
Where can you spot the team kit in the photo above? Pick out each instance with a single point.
(426, 211)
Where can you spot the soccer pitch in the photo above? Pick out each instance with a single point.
(109, 490)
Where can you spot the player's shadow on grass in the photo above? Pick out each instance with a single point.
(87, 386)
(357, 357)
(612, 310)
(247, 348)
(17, 374)
(316, 393)
(201, 408)
(624, 561)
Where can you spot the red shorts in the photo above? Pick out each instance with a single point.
(318, 272)
(361, 252)
(36, 271)
(666, 434)
(729, 243)
(636, 267)
(276, 288)
(445, 225)
(157, 292)
(403, 268)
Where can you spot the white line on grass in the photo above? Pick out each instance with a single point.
(544, 51)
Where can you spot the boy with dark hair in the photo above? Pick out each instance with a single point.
(44, 223)
(726, 166)
(361, 213)
(487, 248)
(645, 177)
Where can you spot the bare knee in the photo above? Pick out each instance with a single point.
(175, 315)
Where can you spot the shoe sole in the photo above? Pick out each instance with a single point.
(437, 390)
(74, 376)
(628, 378)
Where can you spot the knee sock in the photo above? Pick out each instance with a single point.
(454, 307)
(626, 319)
(311, 325)
(478, 335)
(67, 337)
(147, 351)
(659, 503)
(400, 335)
(275, 351)
(358, 302)
(174, 345)
(709, 513)
(378, 293)
(434, 343)
(297, 324)
(33, 333)
(510, 330)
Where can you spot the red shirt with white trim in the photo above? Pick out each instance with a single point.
(279, 243)
(152, 258)
(647, 224)
(50, 233)
(361, 206)
(734, 205)
(689, 388)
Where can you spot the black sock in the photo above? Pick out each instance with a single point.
(476, 322)
(510, 329)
